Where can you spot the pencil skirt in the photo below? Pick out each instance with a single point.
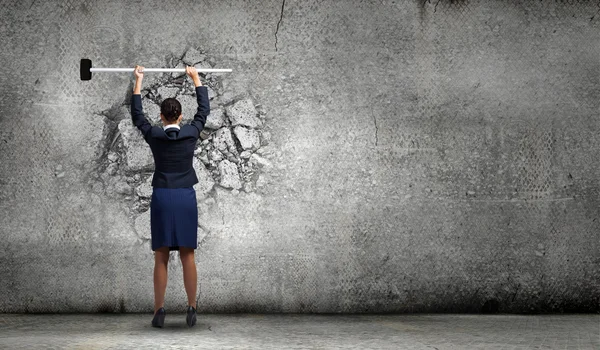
(173, 218)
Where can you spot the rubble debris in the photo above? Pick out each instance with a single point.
(222, 139)
(123, 187)
(230, 177)
(215, 119)
(232, 151)
(138, 155)
(145, 189)
(260, 160)
(167, 92)
(112, 157)
(243, 113)
(248, 138)
(245, 154)
(151, 111)
(205, 180)
(211, 93)
(193, 56)
(189, 106)
(142, 225)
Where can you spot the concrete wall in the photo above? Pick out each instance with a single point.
(405, 156)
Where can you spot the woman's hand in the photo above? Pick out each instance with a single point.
(193, 73)
(139, 76)
(138, 72)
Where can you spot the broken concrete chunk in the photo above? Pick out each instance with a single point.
(178, 74)
(233, 159)
(245, 154)
(193, 56)
(203, 64)
(266, 138)
(111, 169)
(112, 157)
(122, 112)
(215, 119)
(145, 189)
(189, 106)
(167, 92)
(188, 86)
(142, 225)
(248, 187)
(173, 60)
(266, 150)
(215, 155)
(205, 180)
(230, 177)
(204, 158)
(226, 97)
(123, 187)
(151, 110)
(138, 155)
(243, 113)
(223, 140)
(260, 160)
(261, 181)
(248, 138)
(211, 93)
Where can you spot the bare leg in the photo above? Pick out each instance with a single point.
(161, 261)
(190, 277)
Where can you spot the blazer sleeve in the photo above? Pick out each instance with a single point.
(203, 108)
(137, 115)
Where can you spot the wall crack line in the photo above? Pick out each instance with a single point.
(376, 128)
(279, 22)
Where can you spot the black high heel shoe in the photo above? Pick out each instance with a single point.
(159, 318)
(191, 316)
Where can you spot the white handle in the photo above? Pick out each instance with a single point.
(174, 70)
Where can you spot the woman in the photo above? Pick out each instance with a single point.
(173, 210)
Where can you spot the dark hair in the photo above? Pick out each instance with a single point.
(171, 109)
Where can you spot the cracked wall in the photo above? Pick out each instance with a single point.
(365, 156)
(232, 150)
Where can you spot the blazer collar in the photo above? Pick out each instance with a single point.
(171, 126)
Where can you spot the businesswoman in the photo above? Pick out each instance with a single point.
(173, 210)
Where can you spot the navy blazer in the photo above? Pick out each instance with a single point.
(172, 148)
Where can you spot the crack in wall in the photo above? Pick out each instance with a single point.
(376, 128)
(279, 22)
(597, 12)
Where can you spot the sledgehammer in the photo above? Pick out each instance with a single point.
(85, 69)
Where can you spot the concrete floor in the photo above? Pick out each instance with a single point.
(298, 331)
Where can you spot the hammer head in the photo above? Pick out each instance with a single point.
(84, 69)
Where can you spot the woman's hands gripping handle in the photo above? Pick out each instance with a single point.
(138, 72)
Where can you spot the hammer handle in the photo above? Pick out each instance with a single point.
(174, 70)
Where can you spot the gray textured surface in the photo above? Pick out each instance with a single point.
(255, 331)
(416, 156)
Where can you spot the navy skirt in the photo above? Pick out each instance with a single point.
(174, 218)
